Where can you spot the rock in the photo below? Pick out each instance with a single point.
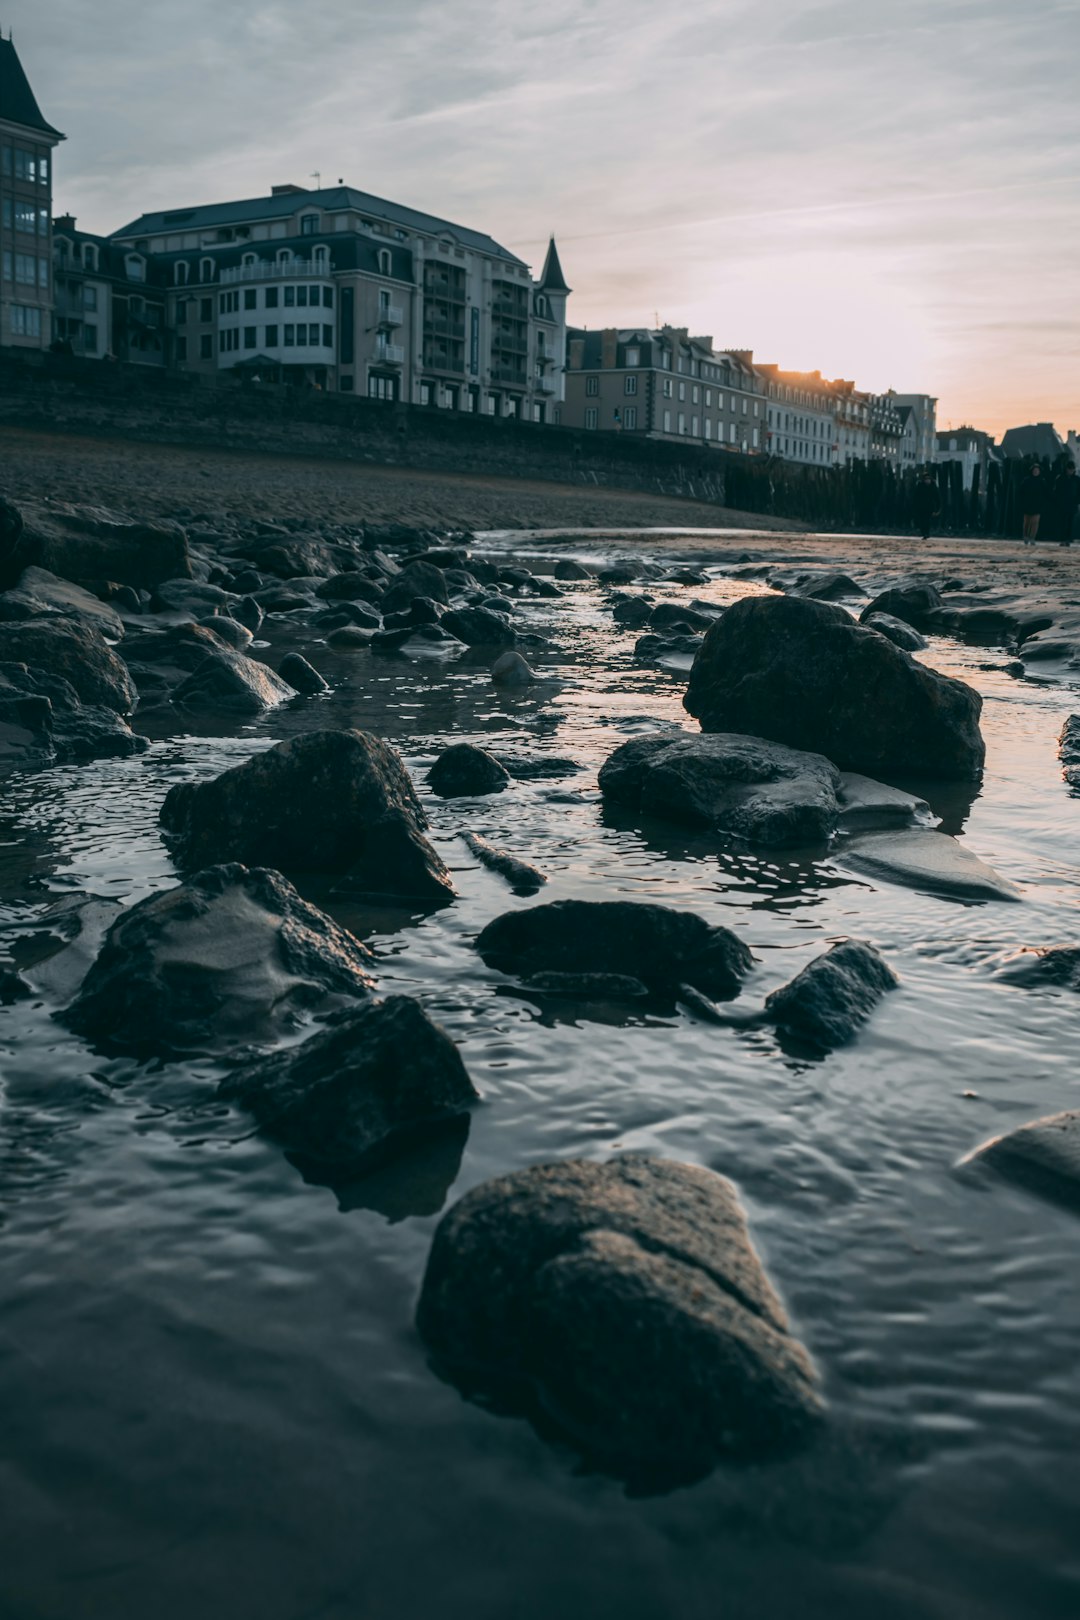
(925, 859)
(418, 579)
(463, 770)
(228, 680)
(377, 1078)
(1043, 1156)
(350, 638)
(522, 878)
(421, 610)
(296, 558)
(671, 615)
(12, 556)
(567, 568)
(86, 543)
(626, 1301)
(230, 632)
(512, 670)
(26, 721)
(632, 612)
(1069, 750)
(76, 731)
(285, 598)
(78, 655)
(328, 801)
(752, 789)
(827, 587)
(301, 675)
(1044, 649)
(671, 652)
(230, 956)
(589, 986)
(417, 641)
(40, 594)
(687, 576)
(544, 768)
(247, 612)
(1055, 967)
(190, 597)
(479, 627)
(914, 603)
(825, 1004)
(626, 570)
(900, 634)
(802, 673)
(342, 613)
(349, 588)
(656, 944)
(865, 803)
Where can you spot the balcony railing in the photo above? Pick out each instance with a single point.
(508, 374)
(268, 269)
(391, 315)
(391, 354)
(544, 385)
(439, 326)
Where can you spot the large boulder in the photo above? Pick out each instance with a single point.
(657, 946)
(91, 544)
(43, 722)
(76, 653)
(463, 770)
(233, 682)
(626, 1301)
(329, 801)
(479, 627)
(377, 1078)
(753, 789)
(1043, 1156)
(39, 594)
(802, 673)
(418, 579)
(825, 1004)
(230, 956)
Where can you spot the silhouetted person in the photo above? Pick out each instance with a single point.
(1032, 503)
(925, 504)
(1065, 502)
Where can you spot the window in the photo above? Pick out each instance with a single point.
(328, 337)
(744, 407)
(694, 426)
(290, 297)
(206, 270)
(380, 387)
(250, 297)
(665, 361)
(206, 309)
(708, 427)
(731, 434)
(309, 224)
(667, 421)
(592, 385)
(250, 333)
(229, 302)
(25, 269)
(6, 169)
(313, 333)
(695, 394)
(301, 296)
(229, 340)
(25, 167)
(180, 273)
(25, 322)
(384, 262)
(271, 298)
(328, 297)
(271, 337)
(319, 257)
(290, 339)
(708, 398)
(25, 218)
(592, 416)
(181, 349)
(682, 421)
(43, 272)
(630, 385)
(90, 338)
(630, 416)
(248, 259)
(135, 267)
(206, 347)
(7, 255)
(668, 387)
(633, 358)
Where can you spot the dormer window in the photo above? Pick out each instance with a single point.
(284, 255)
(309, 224)
(136, 267)
(90, 256)
(248, 260)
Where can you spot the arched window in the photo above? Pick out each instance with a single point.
(385, 262)
(284, 255)
(541, 306)
(249, 258)
(90, 256)
(136, 267)
(320, 256)
(206, 270)
(180, 272)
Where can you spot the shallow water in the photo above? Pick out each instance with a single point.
(216, 1403)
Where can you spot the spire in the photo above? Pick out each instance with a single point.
(552, 279)
(17, 103)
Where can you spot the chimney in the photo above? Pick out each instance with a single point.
(609, 347)
(64, 222)
(576, 354)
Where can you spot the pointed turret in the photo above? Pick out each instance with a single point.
(552, 279)
(17, 101)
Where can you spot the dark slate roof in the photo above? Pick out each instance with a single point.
(111, 261)
(552, 279)
(332, 199)
(17, 103)
(1036, 439)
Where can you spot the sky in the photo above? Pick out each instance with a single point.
(885, 192)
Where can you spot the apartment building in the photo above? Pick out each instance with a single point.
(800, 422)
(99, 310)
(341, 290)
(919, 414)
(886, 430)
(27, 143)
(853, 418)
(661, 383)
(973, 449)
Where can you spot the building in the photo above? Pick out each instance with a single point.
(886, 431)
(99, 312)
(342, 290)
(919, 441)
(27, 143)
(1037, 439)
(973, 449)
(661, 383)
(800, 416)
(853, 417)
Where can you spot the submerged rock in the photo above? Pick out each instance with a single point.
(78, 655)
(825, 1004)
(826, 587)
(231, 681)
(1056, 967)
(627, 1300)
(865, 803)
(512, 670)
(1043, 1156)
(379, 1076)
(479, 627)
(463, 770)
(753, 789)
(418, 579)
(329, 801)
(301, 676)
(567, 568)
(921, 858)
(632, 612)
(656, 944)
(230, 956)
(802, 673)
(522, 878)
(1069, 750)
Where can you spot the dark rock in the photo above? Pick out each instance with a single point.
(989, 626)
(418, 579)
(567, 568)
(589, 986)
(921, 858)
(247, 612)
(301, 675)
(416, 640)
(443, 557)
(668, 651)
(519, 579)
(865, 803)
(628, 569)
(12, 987)
(228, 680)
(522, 878)
(825, 1004)
(914, 603)
(230, 956)
(1055, 967)
(85, 543)
(1042, 1156)
(542, 768)
(544, 587)
(510, 669)
(328, 801)
(230, 632)
(342, 613)
(463, 770)
(246, 581)
(688, 576)
(656, 944)
(668, 615)
(285, 598)
(1045, 648)
(351, 587)
(632, 612)
(379, 1076)
(753, 789)
(478, 627)
(1069, 750)
(828, 587)
(296, 558)
(627, 1301)
(803, 673)
(26, 721)
(421, 610)
(188, 596)
(900, 634)
(350, 638)
(39, 595)
(77, 654)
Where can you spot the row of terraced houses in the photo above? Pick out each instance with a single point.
(335, 289)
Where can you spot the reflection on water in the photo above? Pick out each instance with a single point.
(215, 1399)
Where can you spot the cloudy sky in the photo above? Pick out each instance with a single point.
(886, 191)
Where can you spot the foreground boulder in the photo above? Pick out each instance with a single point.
(825, 1004)
(330, 801)
(626, 1301)
(77, 654)
(230, 956)
(745, 786)
(463, 770)
(655, 946)
(91, 543)
(377, 1078)
(1043, 1156)
(802, 673)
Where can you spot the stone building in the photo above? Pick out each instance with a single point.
(800, 415)
(341, 290)
(661, 383)
(919, 441)
(100, 310)
(27, 143)
(886, 431)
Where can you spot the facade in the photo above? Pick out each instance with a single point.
(919, 441)
(972, 448)
(661, 383)
(341, 290)
(27, 143)
(853, 419)
(1036, 439)
(800, 416)
(886, 431)
(101, 311)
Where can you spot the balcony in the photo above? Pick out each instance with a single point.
(390, 354)
(508, 374)
(391, 315)
(444, 291)
(269, 269)
(441, 326)
(544, 385)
